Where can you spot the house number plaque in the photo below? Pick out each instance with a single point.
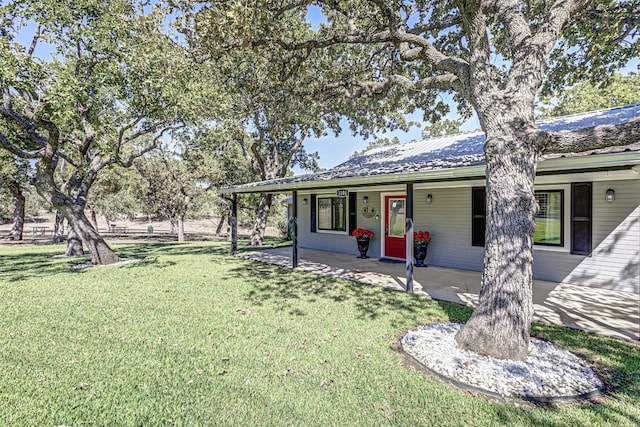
(342, 193)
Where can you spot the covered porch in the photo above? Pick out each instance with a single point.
(601, 311)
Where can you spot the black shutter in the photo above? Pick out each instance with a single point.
(478, 215)
(353, 213)
(581, 218)
(313, 213)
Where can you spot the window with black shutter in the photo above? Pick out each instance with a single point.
(353, 214)
(478, 215)
(313, 213)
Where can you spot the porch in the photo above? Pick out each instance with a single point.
(601, 311)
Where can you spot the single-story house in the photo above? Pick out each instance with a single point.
(588, 225)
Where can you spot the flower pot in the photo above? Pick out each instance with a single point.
(420, 253)
(363, 246)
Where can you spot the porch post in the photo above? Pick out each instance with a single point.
(234, 224)
(294, 234)
(409, 237)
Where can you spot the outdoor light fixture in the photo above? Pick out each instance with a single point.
(610, 195)
(365, 199)
(304, 202)
(429, 198)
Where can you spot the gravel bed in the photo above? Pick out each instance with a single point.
(549, 372)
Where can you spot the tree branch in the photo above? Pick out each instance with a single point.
(586, 139)
(294, 149)
(381, 88)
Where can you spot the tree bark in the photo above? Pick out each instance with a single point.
(18, 212)
(181, 228)
(58, 227)
(220, 225)
(173, 225)
(501, 323)
(74, 242)
(94, 219)
(257, 234)
(101, 253)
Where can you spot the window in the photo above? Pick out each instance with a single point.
(550, 218)
(332, 213)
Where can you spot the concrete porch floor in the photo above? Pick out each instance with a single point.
(601, 311)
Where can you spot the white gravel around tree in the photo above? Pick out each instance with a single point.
(548, 372)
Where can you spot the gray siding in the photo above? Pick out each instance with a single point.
(614, 263)
(336, 242)
(448, 219)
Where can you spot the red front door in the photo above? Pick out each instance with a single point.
(394, 225)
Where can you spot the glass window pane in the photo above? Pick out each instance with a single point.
(549, 220)
(396, 218)
(324, 213)
(339, 214)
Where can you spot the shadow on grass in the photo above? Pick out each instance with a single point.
(28, 265)
(281, 286)
(617, 361)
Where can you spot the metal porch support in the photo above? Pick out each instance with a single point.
(409, 237)
(294, 234)
(234, 224)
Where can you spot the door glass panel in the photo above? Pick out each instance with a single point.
(396, 217)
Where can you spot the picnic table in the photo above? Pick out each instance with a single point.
(116, 229)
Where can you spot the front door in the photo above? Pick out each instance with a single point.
(394, 240)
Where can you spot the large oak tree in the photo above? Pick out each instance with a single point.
(492, 56)
(113, 86)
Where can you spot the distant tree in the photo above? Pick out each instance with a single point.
(114, 196)
(441, 128)
(588, 96)
(377, 143)
(173, 180)
(106, 96)
(13, 179)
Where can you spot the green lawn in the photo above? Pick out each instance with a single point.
(192, 336)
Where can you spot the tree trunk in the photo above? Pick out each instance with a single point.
(18, 212)
(173, 225)
(74, 242)
(94, 219)
(257, 234)
(500, 324)
(58, 228)
(101, 253)
(220, 225)
(181, 228)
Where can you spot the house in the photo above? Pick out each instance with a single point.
(587, 228)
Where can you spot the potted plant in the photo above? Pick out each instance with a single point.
(362, 236)
(421, 241)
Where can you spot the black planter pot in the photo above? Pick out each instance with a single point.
(363, 246)
(420, 253)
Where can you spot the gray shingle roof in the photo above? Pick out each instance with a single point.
(450, 152)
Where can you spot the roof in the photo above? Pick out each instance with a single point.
(449, 157)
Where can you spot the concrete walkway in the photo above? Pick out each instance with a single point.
(601, 311)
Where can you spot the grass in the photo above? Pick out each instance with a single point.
(192, 336)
